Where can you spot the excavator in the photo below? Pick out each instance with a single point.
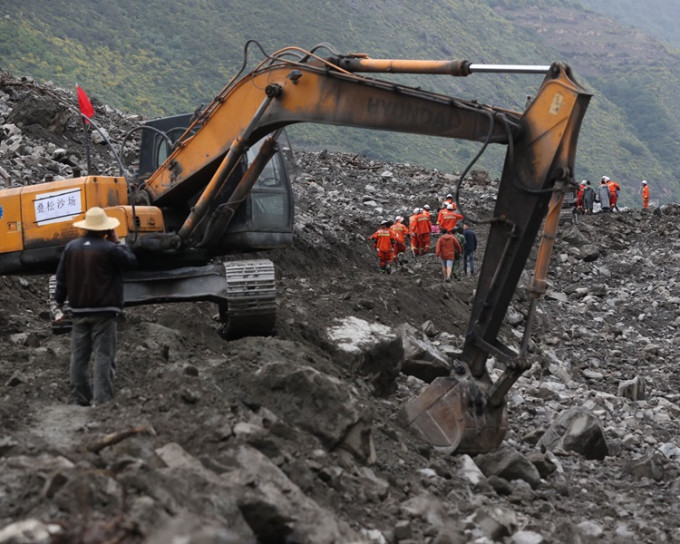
(216, 184)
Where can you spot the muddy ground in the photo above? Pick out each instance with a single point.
(281, 439)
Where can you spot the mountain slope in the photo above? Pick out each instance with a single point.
(658, 18)
(161, 58)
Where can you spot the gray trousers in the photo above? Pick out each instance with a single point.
(93, 335)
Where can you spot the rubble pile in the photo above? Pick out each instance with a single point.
(295, 438)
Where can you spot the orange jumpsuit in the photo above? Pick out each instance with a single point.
(443, 210)
(579, 197)
(613, 193)
(450, 219)
(423, 230)
(383, 242)
(440, 215)
(400, 231)
(412, 232)
(645, 196)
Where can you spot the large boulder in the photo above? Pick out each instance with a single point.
(578, 430)
(369, 349)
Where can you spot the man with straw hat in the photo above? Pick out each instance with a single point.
(90, 275)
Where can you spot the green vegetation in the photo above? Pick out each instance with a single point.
(164, 57)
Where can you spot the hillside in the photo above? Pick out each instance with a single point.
(657, 18)
(632, 73)
(159, 64)
(288, 439)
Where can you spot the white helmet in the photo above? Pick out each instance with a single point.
(583, 182)
(644, 182)
(426, 207)
(416, 210)
(449, 206)
(398, 218)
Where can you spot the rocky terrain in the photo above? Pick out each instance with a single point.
(295, 438)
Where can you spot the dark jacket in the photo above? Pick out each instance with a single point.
(90, 274)
(470, 241)
(588, 197)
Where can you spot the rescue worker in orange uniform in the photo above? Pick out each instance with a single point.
(579, 196)
(383, 242)
(614, 189)
(423, 230)
(448, 200)
(450, 218)
(645, 195)
(441, 212)
(400, 232)
(412, 231)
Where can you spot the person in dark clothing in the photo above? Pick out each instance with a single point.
(90, 275)
(603, 195)
(588, 198)
(469, 248)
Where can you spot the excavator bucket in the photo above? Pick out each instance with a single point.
(451, 414)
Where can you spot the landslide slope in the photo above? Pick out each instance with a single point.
(285, 439)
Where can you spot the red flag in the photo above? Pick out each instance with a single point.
(84, 103)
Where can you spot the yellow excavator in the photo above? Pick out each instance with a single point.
(216, 184)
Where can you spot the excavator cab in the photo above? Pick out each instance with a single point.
(264, 220)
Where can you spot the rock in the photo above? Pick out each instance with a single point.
(527, 537)
(670, 451)
(424, 506)
(633, 389)
(572, 235)
(421, 358)
(579, 430)
(589, 253)
(100, 136)
(590, 529)
(30, 531)
(402, 530)
(513, 317)
(649, 466)
(425, 370)
(500, 485)
(430, 329)
(543, 463)
(470, 471)
(509, 464)
(370, 349)
(15, 379)
(495, 523)
(297, 393)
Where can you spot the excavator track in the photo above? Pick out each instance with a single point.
(245, 292)
(250, 309)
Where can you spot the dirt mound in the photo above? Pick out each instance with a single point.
(286, 439)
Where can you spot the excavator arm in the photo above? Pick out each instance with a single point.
(281, 93)
(467, 411)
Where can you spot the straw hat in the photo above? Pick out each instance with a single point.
(96, 219)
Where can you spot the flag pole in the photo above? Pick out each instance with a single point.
(87, 143)
(86, 112)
